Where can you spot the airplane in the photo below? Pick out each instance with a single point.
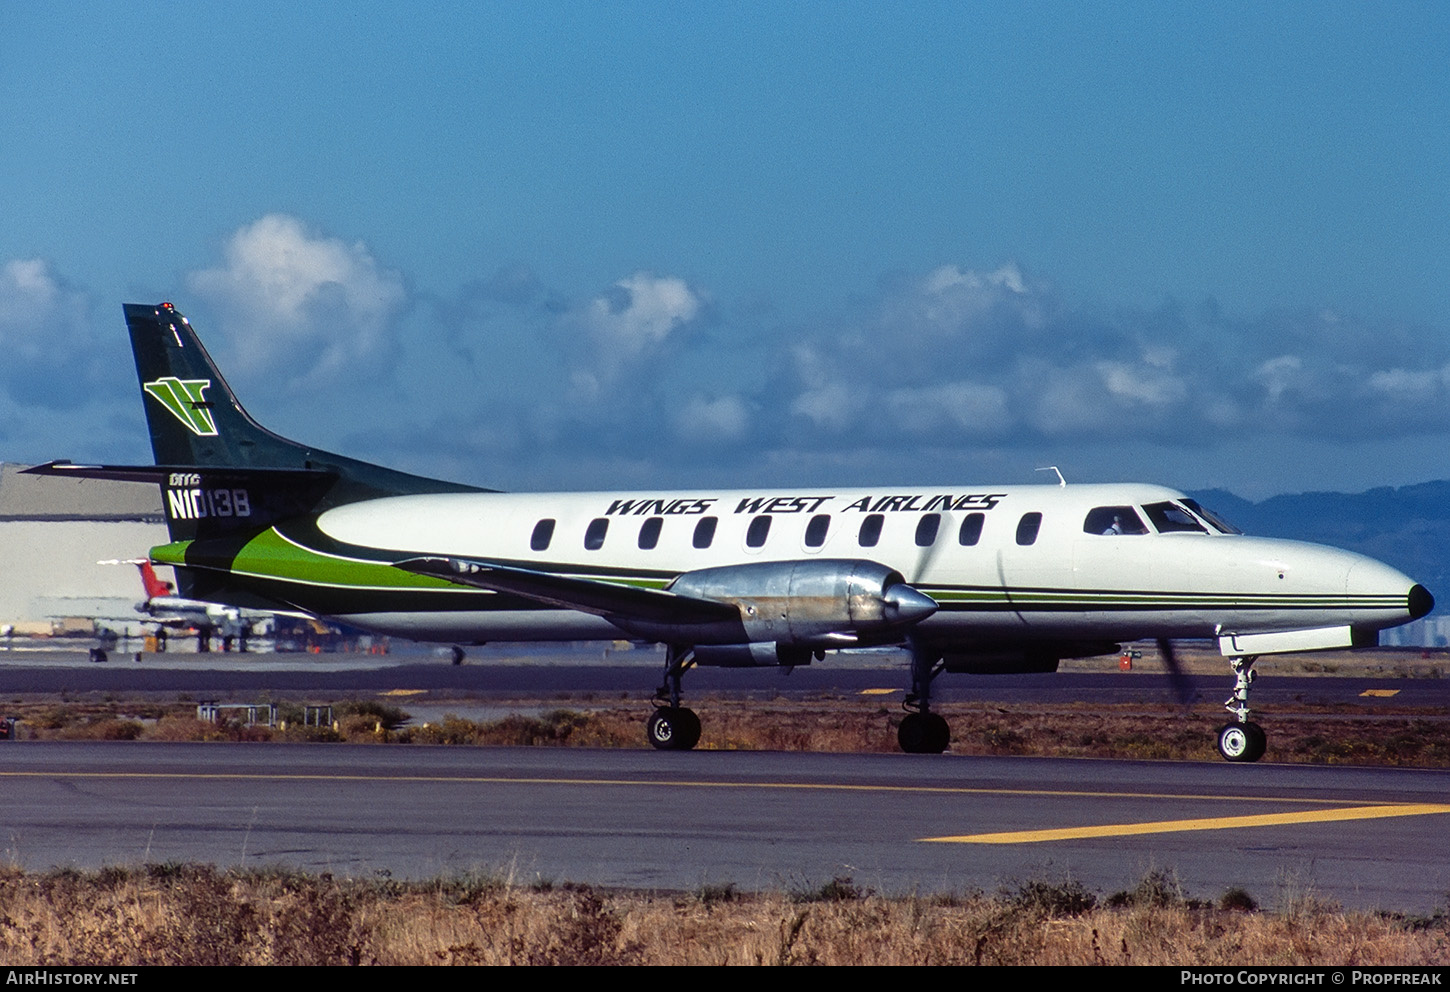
(969, 579)
(168, 610)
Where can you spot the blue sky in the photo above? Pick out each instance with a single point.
(609, 245)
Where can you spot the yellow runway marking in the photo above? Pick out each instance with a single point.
(1208, 823)
(880, 692)
(1380, 692)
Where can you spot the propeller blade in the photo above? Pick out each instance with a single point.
(1176, 676)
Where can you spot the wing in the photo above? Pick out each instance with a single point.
(605, 599)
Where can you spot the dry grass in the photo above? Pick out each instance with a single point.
(1359, 735)
(168, 914)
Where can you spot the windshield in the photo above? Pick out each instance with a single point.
(1218, 523)
(1170, 518)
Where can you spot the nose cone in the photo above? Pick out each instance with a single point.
(1420, 601)
(905, 605)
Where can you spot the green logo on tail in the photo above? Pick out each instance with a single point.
(182, 397)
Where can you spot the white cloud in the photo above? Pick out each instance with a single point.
(294, 299)
(713, 419)
(39, 314)
(641, 311)
(951, 408)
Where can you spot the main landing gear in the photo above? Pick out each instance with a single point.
(921, 730)
(1242, 739)
(673, 727)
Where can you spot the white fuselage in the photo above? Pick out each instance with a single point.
(1168, 573)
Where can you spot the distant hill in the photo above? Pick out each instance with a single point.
(1408, 527)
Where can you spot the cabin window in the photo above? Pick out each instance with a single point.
(816, 530)
(1028, 527)
(971, 530)
(1170, 518)
(871, 530)
(926, 529)
(1110, 520)
(649, 532)
(705, 531)
(543, 534)
(758, 532)
(594, 536)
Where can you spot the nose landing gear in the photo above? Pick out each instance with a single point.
(1242, 739)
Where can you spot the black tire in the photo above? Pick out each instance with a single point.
(939, 734)
(688, 729)
(1260, 741)
(671, 729)
(1242, 741)
(98, 654)
(923, 733)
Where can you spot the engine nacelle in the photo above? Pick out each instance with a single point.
(768, 655)
(818, 603)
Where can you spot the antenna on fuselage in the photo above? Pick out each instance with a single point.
(1053, 468)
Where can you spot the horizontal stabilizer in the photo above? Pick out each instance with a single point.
(162, 474)
(606, 599)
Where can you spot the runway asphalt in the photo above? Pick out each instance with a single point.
(1364, 838)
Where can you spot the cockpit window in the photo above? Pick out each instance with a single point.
(1171, 518)
(1215, 521)
(1111, 520)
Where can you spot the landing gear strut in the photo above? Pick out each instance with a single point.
(921, 730)
(672, 727)
(1242, 739)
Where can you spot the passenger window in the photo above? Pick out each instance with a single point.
(871, 530)
(1028, 527)
(1170, 518)
(759, 530)
(816, 530)
(594, 536)
(649, 532)
(1110, 520)
(971, 529)
(705, 531)
(543, 534)
(926, 529)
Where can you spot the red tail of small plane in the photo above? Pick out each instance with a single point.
(154, 586)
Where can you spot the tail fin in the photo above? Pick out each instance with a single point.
(222, 474)
(196, 421)
(153, 585)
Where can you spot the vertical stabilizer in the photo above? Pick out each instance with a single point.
(196, 421)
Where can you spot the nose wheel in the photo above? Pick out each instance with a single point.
(1241, 740)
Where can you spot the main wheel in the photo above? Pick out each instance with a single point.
(1242, 741)
(923, 733)
(672, 729)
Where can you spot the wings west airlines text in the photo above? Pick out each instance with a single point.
(917, 503)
